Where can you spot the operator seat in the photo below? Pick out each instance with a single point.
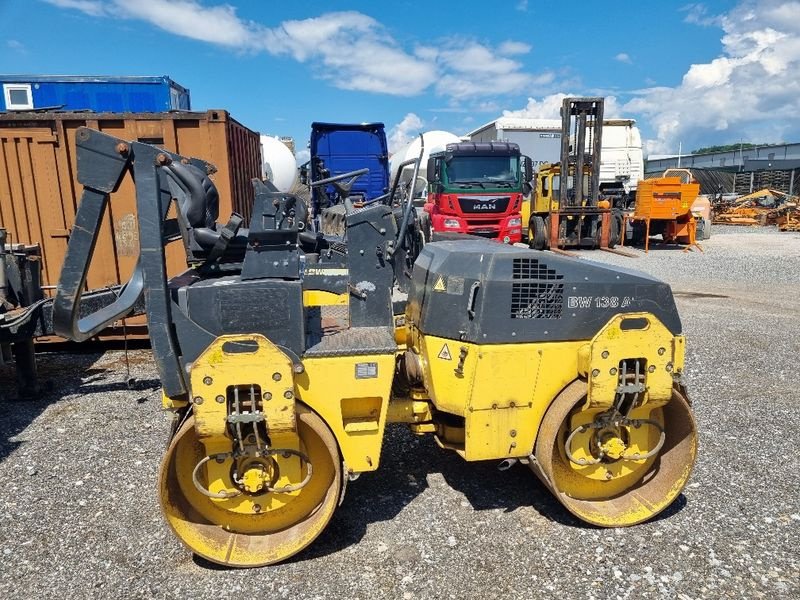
(198, 210)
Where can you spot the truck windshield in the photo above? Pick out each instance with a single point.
(487, 171)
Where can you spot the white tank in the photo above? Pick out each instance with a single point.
(434, 141)
(279, 166)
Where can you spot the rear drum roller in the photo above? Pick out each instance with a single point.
(256, 528)
(639, 472)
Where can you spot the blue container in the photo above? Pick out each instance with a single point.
(341, 148)
(98, 94)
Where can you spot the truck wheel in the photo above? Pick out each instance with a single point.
(537, 234)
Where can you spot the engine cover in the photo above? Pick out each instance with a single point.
(487, 293)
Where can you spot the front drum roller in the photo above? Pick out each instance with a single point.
(632, 491)
(287, 523)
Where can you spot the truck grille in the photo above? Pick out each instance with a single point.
(483, 204)
(532, 297)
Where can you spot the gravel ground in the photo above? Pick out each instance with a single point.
(79, 515)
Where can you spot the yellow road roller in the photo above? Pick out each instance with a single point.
(284, 352)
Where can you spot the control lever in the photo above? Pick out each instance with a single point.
(342, 188)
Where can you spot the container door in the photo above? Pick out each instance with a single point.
(30, 195)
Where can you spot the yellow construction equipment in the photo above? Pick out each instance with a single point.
(283, 353)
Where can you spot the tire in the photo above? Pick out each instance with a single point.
(615, 226)
(537, 233)
(706, 234)
(638, 237)
(615, 234)
(425, 227)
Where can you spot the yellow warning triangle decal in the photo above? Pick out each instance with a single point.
(444, 353)
(439, 286)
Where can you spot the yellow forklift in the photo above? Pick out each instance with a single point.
(569, 212)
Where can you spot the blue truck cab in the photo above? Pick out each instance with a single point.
(337, 148)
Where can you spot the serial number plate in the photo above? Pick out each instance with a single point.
(367, 370)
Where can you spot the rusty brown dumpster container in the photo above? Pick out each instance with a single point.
(39, 191)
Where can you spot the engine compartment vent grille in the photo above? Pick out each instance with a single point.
(536, 300)
(531, 268)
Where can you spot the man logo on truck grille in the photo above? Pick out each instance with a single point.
(444, 353)
(440, 285)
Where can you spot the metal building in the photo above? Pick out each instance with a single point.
(776, 167)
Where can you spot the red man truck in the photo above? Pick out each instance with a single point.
(477, 188)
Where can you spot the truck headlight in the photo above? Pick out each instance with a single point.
(452, 223)
(515, 222)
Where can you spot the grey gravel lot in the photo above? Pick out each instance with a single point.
(79, 515)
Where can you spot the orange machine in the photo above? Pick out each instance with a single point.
(664, 206)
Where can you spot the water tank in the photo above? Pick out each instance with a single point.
(280, 166)
(434, 141)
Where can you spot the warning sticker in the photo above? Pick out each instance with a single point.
(440, 285)
(444, 353)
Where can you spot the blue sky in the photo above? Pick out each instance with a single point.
(696, 74)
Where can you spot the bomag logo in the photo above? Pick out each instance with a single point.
(484, 206)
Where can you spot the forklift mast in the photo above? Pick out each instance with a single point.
(581, 123)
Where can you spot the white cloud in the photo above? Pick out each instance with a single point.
(17, 46)
(697, 14)
(489, 106)
(511, 47)
(354, 52)
(751, 91)
(349, 49)
(302, 156)
(470, 69)
(94, 8)
(214, 24)
(549, 107)
(404, 131)
(623, 57)
(522, 5)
